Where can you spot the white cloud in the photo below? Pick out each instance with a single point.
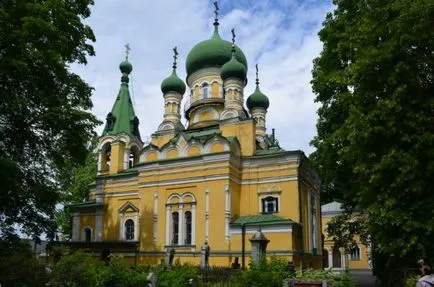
(280, 35)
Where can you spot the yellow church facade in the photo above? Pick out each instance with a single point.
(339, 259)
(218, 180)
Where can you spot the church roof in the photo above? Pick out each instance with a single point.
(332, 208)
(122, 119)
(261, 219)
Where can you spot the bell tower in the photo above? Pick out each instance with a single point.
(120, 142)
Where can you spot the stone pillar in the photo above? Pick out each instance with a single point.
(204, 255)
(75, 227)
(259, 245)
(98, 225)
(170, 255)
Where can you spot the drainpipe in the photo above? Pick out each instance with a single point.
(243, 246)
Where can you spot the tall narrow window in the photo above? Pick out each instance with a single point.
(355, 253)
(87, 234)
(129, 229)
(337, 260)
(175, 228)
(187, 227)
(325, 257)
(205, 91)
(270, 204)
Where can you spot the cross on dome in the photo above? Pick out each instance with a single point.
(175, 57)
(127, 50)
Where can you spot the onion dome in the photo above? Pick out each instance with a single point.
(125, 67)
(214, 52)
(173, 83)
(233, 68)
(257, 99)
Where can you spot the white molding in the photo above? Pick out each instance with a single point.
(281, 228)
(118, 193)
(227, 211)
(218, 177)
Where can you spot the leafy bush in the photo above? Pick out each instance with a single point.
(176, 276)
(265, 273)
(117, 274)
(18, 265)
(76, 269)
(412, 280)
(339, 280)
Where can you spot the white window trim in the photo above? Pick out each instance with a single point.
(179, 207)
(124, 216)
(263, 196)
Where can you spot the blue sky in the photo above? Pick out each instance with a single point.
(279, 35)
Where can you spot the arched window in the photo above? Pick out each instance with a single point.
(355, 253)
(205, 91)
(107, 157)
(270, 204)
(129, 229)
(175, 228)
(325, 258)
(187, 237)
(337, 260)
(87, 234)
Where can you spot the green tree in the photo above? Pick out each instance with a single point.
(45, 121)
(76, 183)
(18, 265)
(374, 80)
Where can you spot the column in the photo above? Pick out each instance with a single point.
(227, 211)
(206, 214)
(98, 225)
(193, 224)
(331, 257)
(181, 225)
(75, 227)
(99, 161)
(168, 225)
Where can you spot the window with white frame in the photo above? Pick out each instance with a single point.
(355, 253)
(270, 204)
(128, 222)
(129, 229)
(205, 91)
(180, 219)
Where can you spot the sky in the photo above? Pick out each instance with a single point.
(278, 35)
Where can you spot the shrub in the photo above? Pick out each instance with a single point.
(73, 270)
(339, 280)
(412, 280)
(265, 273)
(177, 275)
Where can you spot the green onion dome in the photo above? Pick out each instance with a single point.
(233, 69)
(173, 84)
(257, 100)
(125, 67)
(214, 52)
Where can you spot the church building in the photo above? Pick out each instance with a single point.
(217, 180)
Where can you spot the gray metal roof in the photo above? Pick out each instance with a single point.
(332, 208)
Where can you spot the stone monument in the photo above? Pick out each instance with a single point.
(204, 255)
(259, 245)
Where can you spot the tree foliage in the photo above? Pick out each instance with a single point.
(18, 265)
(45, 121)
(374, 80)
